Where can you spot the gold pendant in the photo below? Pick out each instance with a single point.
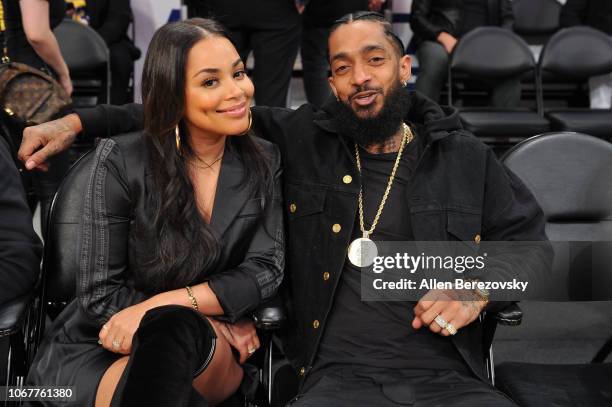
(362, 251)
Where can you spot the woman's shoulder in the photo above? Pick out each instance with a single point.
(125, 151)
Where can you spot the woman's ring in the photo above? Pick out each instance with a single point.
(116, 344)
(252, 350)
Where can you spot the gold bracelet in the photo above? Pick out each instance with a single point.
(194, 303)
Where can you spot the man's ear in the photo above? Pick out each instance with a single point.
(334, 90)
(405, 65)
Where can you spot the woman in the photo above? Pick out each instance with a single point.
(178, 219)
(30, 41)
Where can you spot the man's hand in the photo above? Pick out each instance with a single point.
(448, 41)
(49, 139)
(457, 308)
(117, 334)
(242, 336)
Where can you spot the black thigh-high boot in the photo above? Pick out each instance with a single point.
(172, 345)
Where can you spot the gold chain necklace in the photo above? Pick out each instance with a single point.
(362, 251)
(206, 165)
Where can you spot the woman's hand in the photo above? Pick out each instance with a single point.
(117, 334)
(66, 83)
(242, 336)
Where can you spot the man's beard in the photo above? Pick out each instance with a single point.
(378, 128)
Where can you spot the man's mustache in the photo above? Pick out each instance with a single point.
(365, 88)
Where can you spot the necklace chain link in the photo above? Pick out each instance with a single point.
(406, 139)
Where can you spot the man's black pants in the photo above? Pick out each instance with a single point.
(349, 387)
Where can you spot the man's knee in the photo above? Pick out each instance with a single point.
(433, 55)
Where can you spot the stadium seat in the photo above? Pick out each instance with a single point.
(574, 55)
(87, 57)
(555, 358)
(493, 53)
(536, 20)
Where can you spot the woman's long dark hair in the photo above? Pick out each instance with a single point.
(175, 245)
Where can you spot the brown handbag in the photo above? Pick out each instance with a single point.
(28, 95)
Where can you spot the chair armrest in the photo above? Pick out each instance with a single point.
(512, 315)
(12, 314)
(269, 318)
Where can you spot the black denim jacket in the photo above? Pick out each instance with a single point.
(459, 190)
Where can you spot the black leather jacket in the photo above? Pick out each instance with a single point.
(428, 18)
(460, 190)
(250, 265)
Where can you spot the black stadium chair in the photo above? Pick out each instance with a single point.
(556, 357)
(536, 20)
(493, 53)
(60, 266)
(87, 57)
(574, 55)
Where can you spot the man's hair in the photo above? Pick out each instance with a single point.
(374, 17)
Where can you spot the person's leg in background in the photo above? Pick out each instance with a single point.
(506, 93)
(275, 51)
(242, 42)
(315, 66)
(601, 91)
(433, 69)
(122, 65)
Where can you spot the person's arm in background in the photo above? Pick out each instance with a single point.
(20, 247)
(506, 14)
(35, 19)
(573, 13)
(424, 28)
(116, 22)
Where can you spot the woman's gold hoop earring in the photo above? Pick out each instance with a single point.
(177, 137)
(250, 123)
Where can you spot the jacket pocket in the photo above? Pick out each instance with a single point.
(252, 208)
(434, 222)
(463, 225)
(301, 202)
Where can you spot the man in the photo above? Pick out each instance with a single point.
(437, 27)
(338, 164)
(596, 14)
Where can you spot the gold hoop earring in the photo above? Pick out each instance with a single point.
(250, 123)
(177, 137)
